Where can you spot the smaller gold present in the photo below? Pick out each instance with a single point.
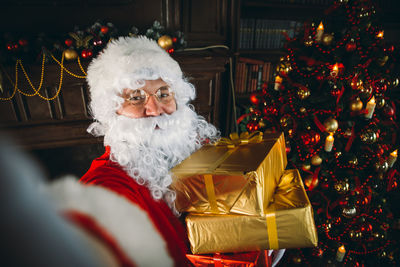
(288, 223)
(238, 176)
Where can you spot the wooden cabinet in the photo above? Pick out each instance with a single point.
(41, 124)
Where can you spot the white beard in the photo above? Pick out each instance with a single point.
(147, 148)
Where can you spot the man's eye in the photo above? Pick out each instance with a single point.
(135, 98)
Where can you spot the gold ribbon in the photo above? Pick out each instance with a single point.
(232, 144)
(208, 180)
(272, 230)
(235, 140)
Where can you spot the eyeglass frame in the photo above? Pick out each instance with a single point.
(148, 96)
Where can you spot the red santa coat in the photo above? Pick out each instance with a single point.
(110, 176)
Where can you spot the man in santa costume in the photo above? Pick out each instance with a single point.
(140, 104)
(139, 101)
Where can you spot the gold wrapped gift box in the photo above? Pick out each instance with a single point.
(226, 179)
(289, 223)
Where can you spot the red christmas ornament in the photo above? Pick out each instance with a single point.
(104, 29)
(171, 50)
(350, 47)
(254, 99)
(388, 111)
(23, 42)
(87, 53)
(174, 39)
(68, 42)
(10, 46)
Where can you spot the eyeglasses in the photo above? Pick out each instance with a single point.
(139, 97)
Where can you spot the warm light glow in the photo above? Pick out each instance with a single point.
(278, 81)
(372, 101)
(321, 27)
(335, 67)
(342, 249)
(380, 34)
(394, 154)
(329, 143)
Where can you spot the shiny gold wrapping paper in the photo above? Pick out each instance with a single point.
(292, 224)
(221, 180)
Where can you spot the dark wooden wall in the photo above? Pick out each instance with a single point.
(55, 131)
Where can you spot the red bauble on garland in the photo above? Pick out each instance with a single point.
(23, 42)
(104, 29)
(68, 42)
(87, 53)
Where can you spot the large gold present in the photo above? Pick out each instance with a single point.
(289, 223)
(238, 176)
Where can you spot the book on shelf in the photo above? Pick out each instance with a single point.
(250, 75)
(265, 33)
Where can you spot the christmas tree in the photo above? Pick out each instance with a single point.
(331, 97)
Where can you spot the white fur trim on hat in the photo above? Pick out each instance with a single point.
(130, 226)
(126, 63)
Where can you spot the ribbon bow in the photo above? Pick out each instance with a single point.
(244, 138)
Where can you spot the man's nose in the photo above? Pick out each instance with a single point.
(153, 107)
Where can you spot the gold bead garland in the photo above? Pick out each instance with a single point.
(36, 91)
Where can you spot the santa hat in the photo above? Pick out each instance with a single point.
(125, 63)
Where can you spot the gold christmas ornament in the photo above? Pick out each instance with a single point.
(303, 92)
(380, 102)
(395, 82)
(368, 136)
(382, 61)
(286, 121)
(327, 39)
(349, 212)
(352, 160)
(309, 41)
(306, 167)
(316, 160)
(342, 186)
(331, 125)
(309, 181)
(356, 104)
(165, 42)
(70, 54)
(381, 166)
